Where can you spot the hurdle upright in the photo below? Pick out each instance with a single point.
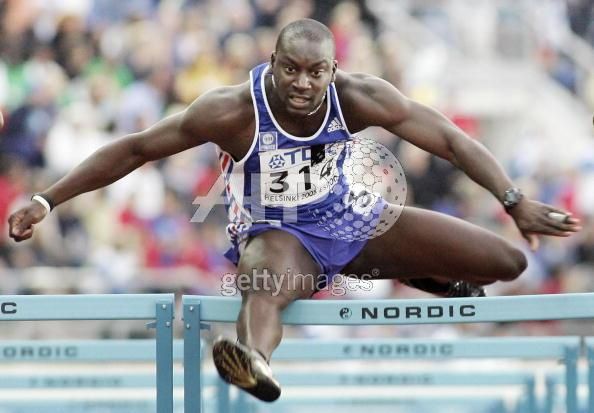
(589, 343)
(199, 310)
(155, 308)
(96, 352)
(533, 348)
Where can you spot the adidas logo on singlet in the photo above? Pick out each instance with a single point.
(335, 125)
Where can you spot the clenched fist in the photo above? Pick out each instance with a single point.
(20, 224)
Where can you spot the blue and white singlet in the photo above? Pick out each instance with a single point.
(288, 183)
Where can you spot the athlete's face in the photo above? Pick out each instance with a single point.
(302, 70)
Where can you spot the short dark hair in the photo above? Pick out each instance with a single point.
(309, 29)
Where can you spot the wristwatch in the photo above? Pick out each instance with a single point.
(511, 198)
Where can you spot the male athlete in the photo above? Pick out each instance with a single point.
(300, 103)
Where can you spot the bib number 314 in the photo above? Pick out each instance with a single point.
(289, 178)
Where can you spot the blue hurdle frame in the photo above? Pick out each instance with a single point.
(141, 406)
(78, 406)
(72, 351)
(155, 308)
(589, 345)
(52, 351)
(427, 378)
(56, 351)
(561, 348)
(553, 379)
(427, 404)
(199, 310)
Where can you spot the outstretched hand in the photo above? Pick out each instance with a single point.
(535, 218)
(21, 223)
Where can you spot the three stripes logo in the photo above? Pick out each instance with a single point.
(335, 125)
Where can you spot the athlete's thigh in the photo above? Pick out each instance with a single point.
(276, 262)
(425, 243)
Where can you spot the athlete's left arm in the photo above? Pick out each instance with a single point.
(383, 105)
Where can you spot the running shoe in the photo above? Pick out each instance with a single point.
(246, 368)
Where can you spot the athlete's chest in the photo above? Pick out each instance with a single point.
(304, 126)
(240, 145)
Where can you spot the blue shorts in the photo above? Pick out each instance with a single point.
(331, 254)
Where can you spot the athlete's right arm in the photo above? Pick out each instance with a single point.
(174, 134)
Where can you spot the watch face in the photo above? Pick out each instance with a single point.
(512, 197)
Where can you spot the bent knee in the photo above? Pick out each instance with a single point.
(513, 262)
(277, 298)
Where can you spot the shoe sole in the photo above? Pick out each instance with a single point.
(234, 365)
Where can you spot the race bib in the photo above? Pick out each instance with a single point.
(298, 176)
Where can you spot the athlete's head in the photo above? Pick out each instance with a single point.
(303, 65)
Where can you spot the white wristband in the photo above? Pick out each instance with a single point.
(42, 201)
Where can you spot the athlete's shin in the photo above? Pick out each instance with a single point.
(259, 323)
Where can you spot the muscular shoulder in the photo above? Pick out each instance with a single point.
(368, 100)
(221, 114)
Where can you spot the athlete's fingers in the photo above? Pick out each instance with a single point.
(532, 239)
(28, 233)
(561, 222)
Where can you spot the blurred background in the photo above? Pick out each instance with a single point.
(518, 75)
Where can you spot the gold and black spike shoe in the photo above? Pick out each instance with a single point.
(246, 368)
(448, 289)
(465, 289)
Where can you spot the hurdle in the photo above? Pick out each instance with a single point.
(565, 349)
(198, 311)
(406, 379)
(144, 350)
(553, 379)
(78, 406)
(589, 345)
(93, 351)
(74, 351)
(494, 405)
(157, 309)
(468, 404)
(39, 351)
(558, 348)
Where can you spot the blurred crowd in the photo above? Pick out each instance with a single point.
(546, 32)
(581, 18)
(75, 75)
